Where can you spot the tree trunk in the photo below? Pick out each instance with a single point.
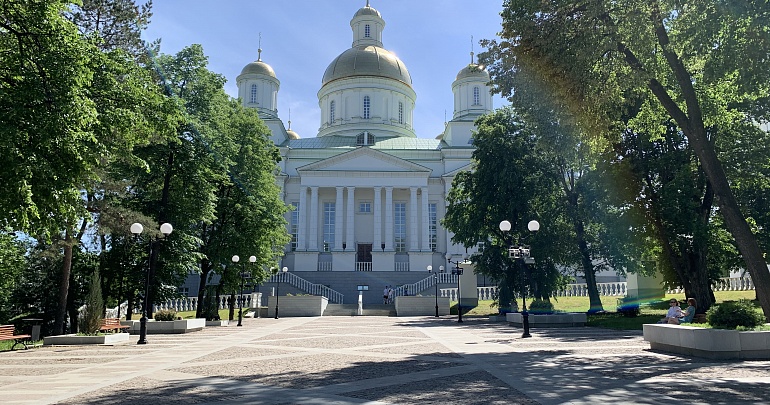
(699, 286)
(205, 269)
(691, 124)
(64, 285)
(594, 300)
(231, 303)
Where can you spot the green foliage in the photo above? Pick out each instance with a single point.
(92, 314)
(12, 264)
(539, 306)
(510, 181)
(731, 314)
(640, 66)
(165, 315)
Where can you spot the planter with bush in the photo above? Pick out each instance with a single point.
(731, 336)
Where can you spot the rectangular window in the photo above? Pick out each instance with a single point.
(365, 207)
(367, 106)
(294, 224)
(432, 226)
(399, 226)
(329, 216)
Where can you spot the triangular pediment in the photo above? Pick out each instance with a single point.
(464, 168)
(363, 160)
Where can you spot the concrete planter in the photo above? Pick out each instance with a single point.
(167, 327)
(223, 322)
(548, 321)
(297, 305)
(421, 306)
(708, 343)
(109, 339)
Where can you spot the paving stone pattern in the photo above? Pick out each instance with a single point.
(378, 360)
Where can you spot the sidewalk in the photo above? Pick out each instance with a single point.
(377, 360)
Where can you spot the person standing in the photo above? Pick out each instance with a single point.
(385, 294)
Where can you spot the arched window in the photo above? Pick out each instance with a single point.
(253, 94)
(364, 139)
(331, 112)
(476, 98)
(367, 31)
(400, 112)
(367, 105)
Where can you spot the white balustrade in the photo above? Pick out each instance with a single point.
(324, 266)
(363, 266)
(402, 266)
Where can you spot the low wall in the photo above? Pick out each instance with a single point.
(709, 343)
(167, 327)
(107, 339)
(421, 306)
(548, 321)
(298, 305)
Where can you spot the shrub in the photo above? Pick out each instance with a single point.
(629, 306)
(91, 317)
(541, 307)
(165, 315)
(731, 314)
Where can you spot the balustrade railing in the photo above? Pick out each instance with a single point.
(724, 284)
(335, 297)
(324, 266)
(402, 266)
(363, 266)
(191, 304)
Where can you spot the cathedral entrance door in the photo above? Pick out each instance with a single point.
(364, 257)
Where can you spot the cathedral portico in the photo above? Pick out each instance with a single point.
(368, 192)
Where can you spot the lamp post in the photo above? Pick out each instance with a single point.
(278, 284)
(252, 260)
(435, 279)
(457, 271)
(136, 229)
(522, 252)
(244, 275)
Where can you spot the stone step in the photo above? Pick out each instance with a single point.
(352, 310)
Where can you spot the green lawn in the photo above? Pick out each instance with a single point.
(611, 319)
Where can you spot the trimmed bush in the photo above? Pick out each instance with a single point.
(731, 314)
(628, 306)
(165, 315)
(541, 307)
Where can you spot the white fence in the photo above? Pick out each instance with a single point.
(616, 289)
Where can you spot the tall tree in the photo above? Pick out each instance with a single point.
(700, 64)
(510, 180)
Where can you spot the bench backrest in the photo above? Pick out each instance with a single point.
(110, 321)
(7, 330)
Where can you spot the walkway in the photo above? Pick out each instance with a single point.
(377, 360)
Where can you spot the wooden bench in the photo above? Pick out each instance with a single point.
(7, 333)
(113, 325)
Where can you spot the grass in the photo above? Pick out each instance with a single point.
(223, 314)
(610, 320)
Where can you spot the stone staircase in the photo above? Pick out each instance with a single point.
(352, 309)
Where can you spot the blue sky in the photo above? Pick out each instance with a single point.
(301, 37)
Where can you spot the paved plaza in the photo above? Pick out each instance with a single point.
(377, 360)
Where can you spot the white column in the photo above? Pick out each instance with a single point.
(313, 234)
(389, 219)
(302, 226)
(338, 219)
(413, 238)
(425, 221)
(350, 239)
(377, 236)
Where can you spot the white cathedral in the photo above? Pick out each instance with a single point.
(369, 193)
